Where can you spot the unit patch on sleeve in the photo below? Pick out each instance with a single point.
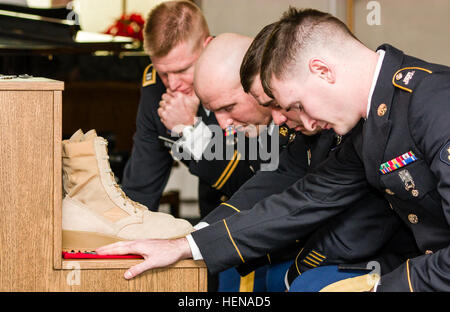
(445, 153)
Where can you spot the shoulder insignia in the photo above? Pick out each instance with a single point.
(445, 154)
(406, 78)
(149, 77)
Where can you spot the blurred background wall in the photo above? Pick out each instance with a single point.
(418, 27)
(249, 16)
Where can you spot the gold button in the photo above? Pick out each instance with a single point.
(415, 193)
(428, 252)
(389, 192)
(382, 109)
(413, 218)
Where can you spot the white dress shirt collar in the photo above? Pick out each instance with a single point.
(375, 78)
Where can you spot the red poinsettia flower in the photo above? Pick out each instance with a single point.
(128, 25)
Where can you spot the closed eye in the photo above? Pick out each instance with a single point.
(268, 104)
(275, 105)
(296, 106)
(182, 70)
(228, 108)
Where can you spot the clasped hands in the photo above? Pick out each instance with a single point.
(178, 110)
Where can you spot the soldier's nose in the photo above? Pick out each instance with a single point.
(223, 119)
(278, 117)
(174, 82)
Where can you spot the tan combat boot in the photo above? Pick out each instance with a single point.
(95, 211)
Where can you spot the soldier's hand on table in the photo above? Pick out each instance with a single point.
(177, 110)
(157, 253)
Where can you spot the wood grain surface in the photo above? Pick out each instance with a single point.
(30, 206)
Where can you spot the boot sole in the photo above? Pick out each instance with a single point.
(78, 241)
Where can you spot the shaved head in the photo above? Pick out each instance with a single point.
(218, 85)
(217, 69)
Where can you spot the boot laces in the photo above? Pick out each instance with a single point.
(136, 206)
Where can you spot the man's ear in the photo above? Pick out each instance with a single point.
(207, 40)
(322, 70)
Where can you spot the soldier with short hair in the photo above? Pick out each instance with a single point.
(175, 35)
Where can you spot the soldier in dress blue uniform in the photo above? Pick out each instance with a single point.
(399, 145)
(167, 100)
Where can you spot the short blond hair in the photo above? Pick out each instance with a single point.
(171, 23)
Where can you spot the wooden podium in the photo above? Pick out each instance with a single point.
(30, 206)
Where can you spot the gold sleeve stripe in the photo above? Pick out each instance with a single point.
(404, 88)
(230, 172)
(226, 169)
(268, 257)
(307, 262)
(318, 254)
(247, 282)
(225, 204)
(409, 279)
(312, 260)
(315, 257)
(296, 262)
(231, 238)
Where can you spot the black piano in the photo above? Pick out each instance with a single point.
(102, 73)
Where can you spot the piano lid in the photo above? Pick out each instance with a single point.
(37, 27)
(60, 12)
(29, 32)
